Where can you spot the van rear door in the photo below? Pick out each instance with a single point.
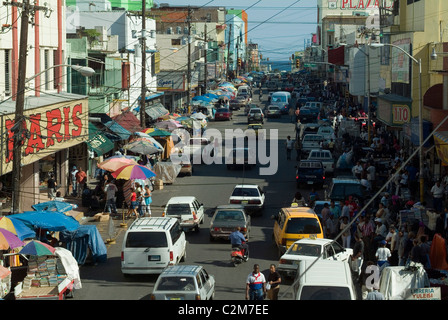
(145, 250)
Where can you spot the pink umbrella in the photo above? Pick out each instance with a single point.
(9, 240)
(113, 164)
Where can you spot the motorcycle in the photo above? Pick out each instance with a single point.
(238, 256)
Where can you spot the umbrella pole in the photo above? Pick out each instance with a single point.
(123, 224)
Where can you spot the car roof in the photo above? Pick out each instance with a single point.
(230, 206)
(246, 186)
(184, 270)
(183, 199)
(302, 211)
(320, 241)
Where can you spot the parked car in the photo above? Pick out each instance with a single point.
(310, 172)
(323, 156)
(249, 107)
(255, 115)
(152, 244)
(273, 112)
(327, 132)
(310, 249)
(241, 157)
(226, 219)
(184, 282)
(250, 196)
(223, 114)
(187, 209)
(307, 116)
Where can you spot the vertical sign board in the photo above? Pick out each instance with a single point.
(47, 130)
(432, 293)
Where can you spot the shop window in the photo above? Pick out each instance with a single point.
(47, 166)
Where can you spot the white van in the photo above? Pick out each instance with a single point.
(281, 99)
(324, 280)
(325, 157)
(243, 90)
(152, 244)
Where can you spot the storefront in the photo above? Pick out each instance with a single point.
(56, 127)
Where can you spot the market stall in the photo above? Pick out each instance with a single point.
(52, 273)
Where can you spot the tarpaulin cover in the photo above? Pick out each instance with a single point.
(49, 220)
(4, 272)
(70, 266)
(79, 240)
(167, 171)
(437, 254)
(395, 282)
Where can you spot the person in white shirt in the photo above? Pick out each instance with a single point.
(289, 147)
(437, 195)
(382, 254)
(255, 285)
(111, 189)
(357, 170)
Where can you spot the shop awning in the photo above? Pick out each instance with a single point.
(441, 143)
(112, 126)
(49, 220)
(128, 121)
(156, 111)
(98, 141)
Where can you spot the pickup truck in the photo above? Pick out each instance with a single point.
(325, 157)
(311, 142)
(255, 115)
(310, 172)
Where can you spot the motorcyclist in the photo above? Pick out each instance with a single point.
(238, 240)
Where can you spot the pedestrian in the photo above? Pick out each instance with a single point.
(255, 285)
(111, 189)
(437, 193)
(402, 239)
(380, 233)
(289, 145)
(81, 180)
(273, 283)
(392, 244)
(59, 196)
(140, 204)
(73, 182)
(298, 198)
(335, 210)
(331, 227)
(371, 175)
(345, 209)
(357, 170)
(291, 115)
(148, 200)
(346, 236)
(298, 149)
(382, 254)
(133, 205)
(357, 257)
(51, 187)
(325, 212)
(375, 294)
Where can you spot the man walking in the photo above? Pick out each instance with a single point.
(81, 179)
(289, 146)
(255, 285)
(111, 189)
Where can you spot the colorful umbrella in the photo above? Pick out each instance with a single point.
(20, 229)
(9, 240)
(198, 116)
(113, 164)
(133, 172)
(141, 146)
(159, 133)
(168, 124)
(53, 205)
(37, 248)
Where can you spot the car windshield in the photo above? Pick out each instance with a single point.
(325, 293)
(177, 209)
(303, 226)
(305, 249)
(229, 216)
(180, 283)
(245, 192)
(343, 190)
(146, 240)
(279, 99)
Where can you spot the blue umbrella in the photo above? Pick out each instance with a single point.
(49, 220)
(201, 98)
(211, 95)
(54, 205)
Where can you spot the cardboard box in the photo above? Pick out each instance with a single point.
(158, 184)
(100, 217)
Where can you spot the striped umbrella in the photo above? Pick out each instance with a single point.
(9, 240)
(37, 248)
(19, 228)
(112, 164)
(131, 172)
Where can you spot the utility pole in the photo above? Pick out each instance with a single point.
(19, 120)
(189, 59)
(205, 58)
(143, 43)
(228, 54)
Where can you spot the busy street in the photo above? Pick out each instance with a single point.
(224, 151)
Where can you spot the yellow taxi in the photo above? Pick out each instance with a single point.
(295, 223)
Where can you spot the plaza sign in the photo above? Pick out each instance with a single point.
(358, 4)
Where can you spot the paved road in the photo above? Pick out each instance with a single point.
(212, 185)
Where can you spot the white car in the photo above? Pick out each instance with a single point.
(310, 249)
(184, 282)
(250, 196)
(187, 210)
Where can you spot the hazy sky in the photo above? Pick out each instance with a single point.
(278, 26)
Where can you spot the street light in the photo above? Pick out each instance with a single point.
(83, 70)
(420, 109)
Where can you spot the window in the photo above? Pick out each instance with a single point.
(55, 71)
(175, 42)
(303, 226)
(198, 280)
(175, 232)
(146, 240)
(46, 67)
(203, 278)
(7, 72)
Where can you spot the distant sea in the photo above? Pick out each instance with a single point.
(280, 65)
